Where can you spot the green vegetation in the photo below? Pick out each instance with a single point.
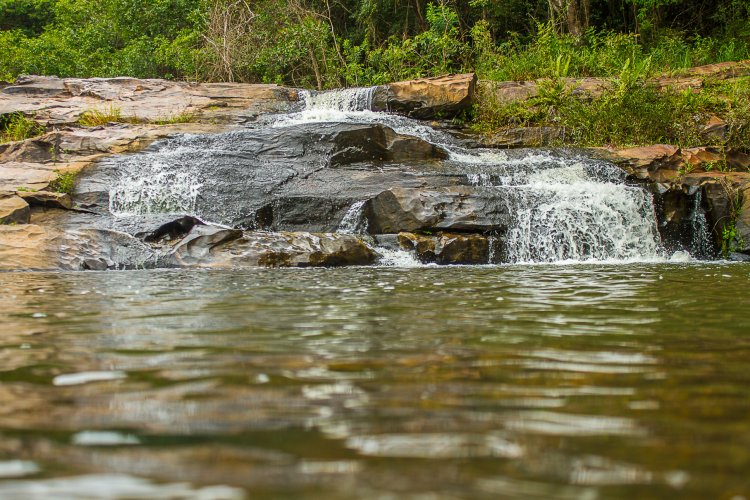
(64, 183)
(184, 116)
(16, 127)
(334, 43)
(631, 111)
(96, 117)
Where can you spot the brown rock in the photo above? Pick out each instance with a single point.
(447, 248)
(33, 247)
(523, 137)
(658, 163)
(56, 101)
(33, 176)
(14, 210)
(715, 129)
(439, 97)
(25, 247)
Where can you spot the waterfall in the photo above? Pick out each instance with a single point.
(353, 99)
(154, 188)
(562, 206)
(701, 244)
(353, 221)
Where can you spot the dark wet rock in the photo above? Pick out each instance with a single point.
(226, 248)
(438, 97)
(301, 178)
(447, 248)
(13, 210)
(680, 212)
(461, 208)
(378, 143)
(743, 218)
(172, 230)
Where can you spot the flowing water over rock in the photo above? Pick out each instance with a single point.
(336, 166)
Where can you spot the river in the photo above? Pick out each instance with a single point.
(513, 381)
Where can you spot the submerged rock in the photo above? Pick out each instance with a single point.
(227, 248)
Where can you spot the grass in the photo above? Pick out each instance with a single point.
(184, 116)
(112, 114)
(16, 127)
(64, 183)
(631, 113)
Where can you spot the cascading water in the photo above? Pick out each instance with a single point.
(563, 207)
(354, 221)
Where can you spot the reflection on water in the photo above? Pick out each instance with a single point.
(470, 382)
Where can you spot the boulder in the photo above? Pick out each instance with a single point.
(13, 210)
(438, 97)
(226, 248)
(461, 208)
(31, 176)
(447, 248)
(658, 163)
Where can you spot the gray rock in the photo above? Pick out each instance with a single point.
(461, 208)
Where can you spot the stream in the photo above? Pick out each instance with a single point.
(580, 360)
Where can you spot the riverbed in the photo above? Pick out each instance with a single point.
(513, 381)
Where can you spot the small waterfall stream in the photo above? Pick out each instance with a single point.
(563, 206)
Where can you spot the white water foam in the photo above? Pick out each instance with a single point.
(154, 187)
(397, 258)
(353, 221)
(563, 208)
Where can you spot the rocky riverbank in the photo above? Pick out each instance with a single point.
(284, 196)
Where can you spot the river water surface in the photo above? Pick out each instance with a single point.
(535, 381)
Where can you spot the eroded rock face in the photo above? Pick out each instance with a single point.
(34, 247)
(462, 208)
(743, 220)
(448, 248)
(58, 101)
(439, 97)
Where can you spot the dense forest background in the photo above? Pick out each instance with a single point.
(333, 43)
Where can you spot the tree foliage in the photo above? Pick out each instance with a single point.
(328, 43)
